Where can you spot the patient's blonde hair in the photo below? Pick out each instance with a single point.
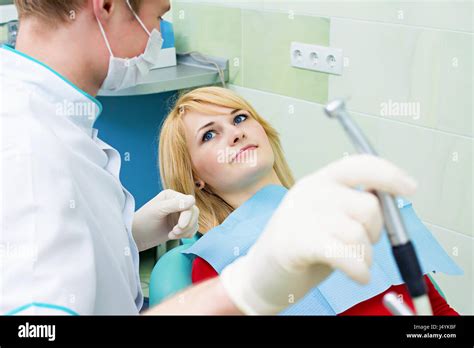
(177, 172)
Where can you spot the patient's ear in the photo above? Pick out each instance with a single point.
(200, 184)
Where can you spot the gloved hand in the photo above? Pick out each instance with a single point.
(169, 215)
(322, 224)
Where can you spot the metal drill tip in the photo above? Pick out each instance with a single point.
(333, 107)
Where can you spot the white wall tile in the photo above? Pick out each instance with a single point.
(441, 14)
(397, 66)
(441, 163)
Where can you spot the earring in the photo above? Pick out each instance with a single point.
(199, 185)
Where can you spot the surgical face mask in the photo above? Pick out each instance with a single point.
(125, 72)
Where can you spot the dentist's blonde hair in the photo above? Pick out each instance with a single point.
(176, 169)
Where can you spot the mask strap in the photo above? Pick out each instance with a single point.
(138, 18)
(104, 36)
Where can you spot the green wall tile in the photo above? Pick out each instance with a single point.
(257, 43)
(266, 39)
(211, 30)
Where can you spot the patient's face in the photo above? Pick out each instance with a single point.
(215, 142)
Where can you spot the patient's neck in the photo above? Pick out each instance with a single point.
(236, 199)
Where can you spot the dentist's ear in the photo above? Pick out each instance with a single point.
(103, 9)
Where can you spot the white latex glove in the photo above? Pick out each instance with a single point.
(169, 215)
(322, 224)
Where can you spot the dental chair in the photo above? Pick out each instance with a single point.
(172, 273)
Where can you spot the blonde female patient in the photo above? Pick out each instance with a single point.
(215, 146)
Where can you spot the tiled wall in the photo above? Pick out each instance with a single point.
(397, 53)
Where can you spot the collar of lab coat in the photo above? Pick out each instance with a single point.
(70, 101)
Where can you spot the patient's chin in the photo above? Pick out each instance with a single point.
(248, 164)
(249, 172)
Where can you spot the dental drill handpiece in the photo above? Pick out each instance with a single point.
(402, 248)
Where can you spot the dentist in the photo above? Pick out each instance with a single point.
(69, 235)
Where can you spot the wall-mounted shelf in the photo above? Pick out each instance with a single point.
(188, 73)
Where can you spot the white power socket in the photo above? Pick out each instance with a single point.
(317, 58)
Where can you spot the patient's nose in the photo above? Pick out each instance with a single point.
(237, 135)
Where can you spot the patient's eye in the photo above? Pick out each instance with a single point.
(240, 118)
(208, 135)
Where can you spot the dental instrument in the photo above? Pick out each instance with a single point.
(395, 306)
(402, 248)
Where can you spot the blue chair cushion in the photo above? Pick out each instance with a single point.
(171, 274)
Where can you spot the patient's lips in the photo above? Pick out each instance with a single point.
(242, 150)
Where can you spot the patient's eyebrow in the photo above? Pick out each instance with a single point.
(212, 122)
(206, 125)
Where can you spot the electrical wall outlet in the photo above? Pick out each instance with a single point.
(316, 58)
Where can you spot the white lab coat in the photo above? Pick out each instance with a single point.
(65, 245)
